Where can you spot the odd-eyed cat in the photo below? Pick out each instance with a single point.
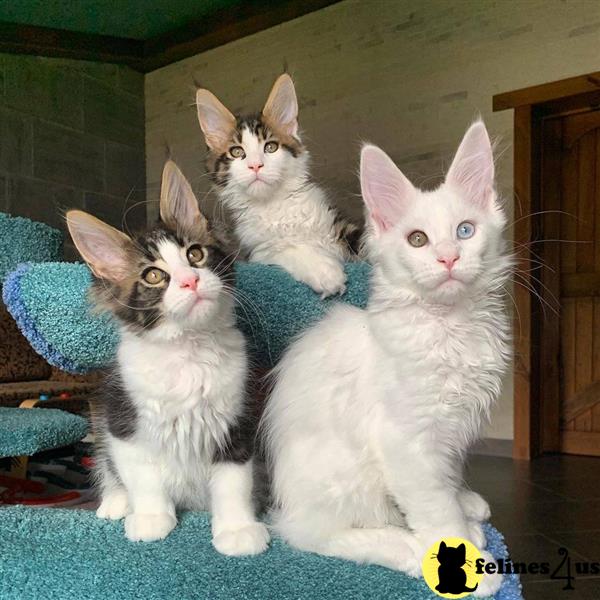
(174, 428)
(260, 170)
(373, 410)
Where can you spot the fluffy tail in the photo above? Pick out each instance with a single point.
(349, 235)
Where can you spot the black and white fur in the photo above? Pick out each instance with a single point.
(174, 426)
(260, 169)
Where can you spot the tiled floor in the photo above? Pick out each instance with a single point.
(543, 505)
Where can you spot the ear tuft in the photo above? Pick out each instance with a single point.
(472, 170)
(281, 108)
(178, 204)
(385, 189)
(216, 122)
(105, 249)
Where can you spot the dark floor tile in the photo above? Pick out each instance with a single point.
(573, 487)
(564, 466)
(536, 548)
(586, 543)
(494, 468)
(513, 491)
(585, 589)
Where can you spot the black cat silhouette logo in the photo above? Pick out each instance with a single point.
(449, 568)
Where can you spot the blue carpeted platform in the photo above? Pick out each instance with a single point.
(23, 240)
(25, 431)
(49, 303)
(50, 554)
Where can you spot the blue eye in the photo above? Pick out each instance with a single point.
(465, 230)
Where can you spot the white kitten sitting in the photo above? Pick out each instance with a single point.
(373, 410)
(260, 171)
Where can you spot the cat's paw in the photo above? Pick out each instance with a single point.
(474, 506)
(476, 535)
(326, 277)
(141, 527)
(489, 584)
(251, 539)
(113, 506)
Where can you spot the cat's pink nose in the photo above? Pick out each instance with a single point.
(448, 261)
(189, 282)
(256, 167)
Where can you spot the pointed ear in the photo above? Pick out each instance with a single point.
(442, 545)
(216, 122)
(472, 170)
(281, 108)
(105, 249)
(178, 204)
(385, 189)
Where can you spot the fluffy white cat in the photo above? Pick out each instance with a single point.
(373, 410)
(261, 174)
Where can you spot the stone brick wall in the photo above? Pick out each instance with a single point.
(71, 136)
(405, 74)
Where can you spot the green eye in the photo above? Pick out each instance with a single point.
(418, 239)
(196, 254)
(237, 152)
(271, 147)
(154, 276)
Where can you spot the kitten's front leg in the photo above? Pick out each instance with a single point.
(153, 512)
(315, 267)
(235, 530)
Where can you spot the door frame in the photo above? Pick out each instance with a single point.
(536, 339)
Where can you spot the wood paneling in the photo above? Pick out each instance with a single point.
(580, 284)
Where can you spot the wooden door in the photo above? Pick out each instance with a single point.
(571, 174)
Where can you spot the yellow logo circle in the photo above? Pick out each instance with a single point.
(449, 568)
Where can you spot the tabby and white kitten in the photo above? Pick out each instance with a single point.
(260, 170)
(373, 410)
(174, 429)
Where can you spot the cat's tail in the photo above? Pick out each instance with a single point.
(349, 235)
(466, 589)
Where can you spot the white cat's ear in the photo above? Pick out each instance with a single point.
(281, 108)
(385, 189)
(178, 204)
(216, 122)
(472, 170)
(105, 249)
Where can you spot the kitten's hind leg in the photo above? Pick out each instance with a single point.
(114, 503)
(235, 530)
(473, 505)
(476, 510)
(390, 547)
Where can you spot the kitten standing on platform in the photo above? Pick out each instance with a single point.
(174, 428)
(261, 174)
(373, 410)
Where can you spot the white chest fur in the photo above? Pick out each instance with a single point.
(297, 212)
(186, 391)
(447, 368)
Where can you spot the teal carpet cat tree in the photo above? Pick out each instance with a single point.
(57, 553)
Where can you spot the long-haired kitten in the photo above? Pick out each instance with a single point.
(260, 171)
(174, 429)
(373, 410)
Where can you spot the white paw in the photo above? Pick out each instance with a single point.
(490, 584)
(474, 506)
(141, 527)
(113, 506)
(409, 553)
(476, 535)
(326, 277)
(251, 539)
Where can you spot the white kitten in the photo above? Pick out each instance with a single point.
(260, 170)
(174, 428)
(373, 410)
